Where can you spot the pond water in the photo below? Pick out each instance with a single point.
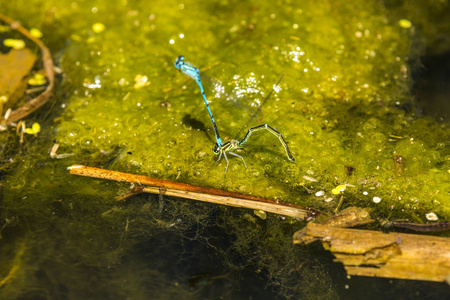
(346, 101)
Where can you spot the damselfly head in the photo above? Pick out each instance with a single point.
(179, 61)
(216, 148)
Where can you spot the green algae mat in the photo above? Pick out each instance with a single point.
(345, 107)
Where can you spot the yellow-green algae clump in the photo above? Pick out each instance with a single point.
(344, 102)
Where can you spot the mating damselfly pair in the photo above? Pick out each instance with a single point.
(220, 147)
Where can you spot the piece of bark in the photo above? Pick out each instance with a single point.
(390, 255)
(13, 83)
(349, 217)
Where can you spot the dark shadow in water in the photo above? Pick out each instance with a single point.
(432, 87)
(197, 125)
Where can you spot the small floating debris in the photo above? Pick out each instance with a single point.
(140, 81)
(37, 79)
(320, 193)
(339, 189)
(14, 43)
(404, 23)
(36, 33)
(376, 199)
(349, 170)
(98, 27)
(431, 216)
(35, 128)
(310, 178)
(54, 149)
(260, 214)
(59, 156)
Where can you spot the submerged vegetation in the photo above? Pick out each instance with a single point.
(345, 107)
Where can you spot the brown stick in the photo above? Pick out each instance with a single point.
(40, 100)
(279, 209)
(200, 193)
(432, 227)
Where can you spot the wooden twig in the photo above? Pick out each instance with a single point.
(279, 209)
(431, 227)
(211, 195)
(40, 100)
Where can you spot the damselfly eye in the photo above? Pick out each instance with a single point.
(178, 61)
(216, 148)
